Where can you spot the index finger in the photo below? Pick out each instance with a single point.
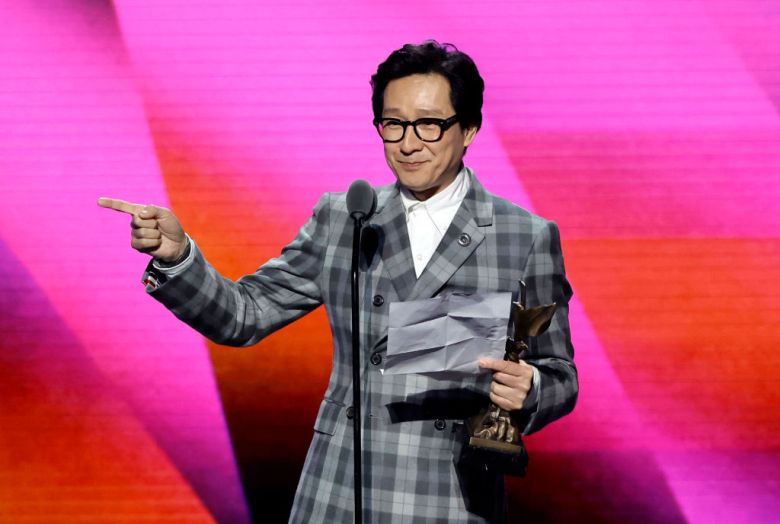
(120, 205)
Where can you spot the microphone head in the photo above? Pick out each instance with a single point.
(361, 200)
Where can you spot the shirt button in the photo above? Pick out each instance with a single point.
(439, 424)
(378, 300)
(376, 359)
(350, 412)
(464, 239)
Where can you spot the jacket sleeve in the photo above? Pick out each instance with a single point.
(241, 313)
(551, 352)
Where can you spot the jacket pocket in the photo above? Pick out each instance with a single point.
(328, 416)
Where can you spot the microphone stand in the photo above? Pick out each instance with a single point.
(356, 420)
(361, 202)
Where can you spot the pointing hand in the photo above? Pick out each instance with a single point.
(155, 230)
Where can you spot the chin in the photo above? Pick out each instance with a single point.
(414, 186)
(412, 179)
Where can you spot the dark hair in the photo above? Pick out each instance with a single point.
(466, 86)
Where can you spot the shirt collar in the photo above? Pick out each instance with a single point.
(453, 194)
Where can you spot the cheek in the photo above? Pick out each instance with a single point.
(388, 155)
(448, 154)
(391, 150)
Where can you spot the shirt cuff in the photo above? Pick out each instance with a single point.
(532, 399)
(172, 271)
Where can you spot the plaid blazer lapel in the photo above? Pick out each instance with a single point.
(459, 242)
(390, 220)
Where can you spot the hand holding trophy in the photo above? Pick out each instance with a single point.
(493, 439)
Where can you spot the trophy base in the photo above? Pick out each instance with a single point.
(499, 457)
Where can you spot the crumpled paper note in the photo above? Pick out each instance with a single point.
(447, 334)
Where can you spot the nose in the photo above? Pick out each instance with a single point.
(410, 142)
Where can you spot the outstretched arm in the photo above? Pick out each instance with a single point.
(232, 313)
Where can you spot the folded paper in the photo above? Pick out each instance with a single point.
(446, 334)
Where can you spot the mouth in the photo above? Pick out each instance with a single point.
(411, 166)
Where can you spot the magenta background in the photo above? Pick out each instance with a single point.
(648, 130)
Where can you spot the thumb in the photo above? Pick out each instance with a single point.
(153, 212)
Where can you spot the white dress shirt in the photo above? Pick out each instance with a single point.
(428, 220)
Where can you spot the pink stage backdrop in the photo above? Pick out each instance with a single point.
(649, 130)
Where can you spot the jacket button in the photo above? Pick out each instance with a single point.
(378, 300)
(350, 412)
(376, 359)
(464, 239)
(439, 424)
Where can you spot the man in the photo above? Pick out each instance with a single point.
(437, 231)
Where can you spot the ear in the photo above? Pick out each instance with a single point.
(468, 135)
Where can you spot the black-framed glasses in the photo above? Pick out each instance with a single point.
(426, 129)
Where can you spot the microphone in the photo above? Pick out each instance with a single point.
(361, 200)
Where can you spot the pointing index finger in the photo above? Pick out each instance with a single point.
(120, 205)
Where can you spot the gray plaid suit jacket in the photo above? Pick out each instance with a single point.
(410, 421)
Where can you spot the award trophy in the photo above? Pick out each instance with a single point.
(492, 437)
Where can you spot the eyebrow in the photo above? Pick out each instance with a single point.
(423, 112)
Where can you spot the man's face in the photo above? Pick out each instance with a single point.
(424, 168)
